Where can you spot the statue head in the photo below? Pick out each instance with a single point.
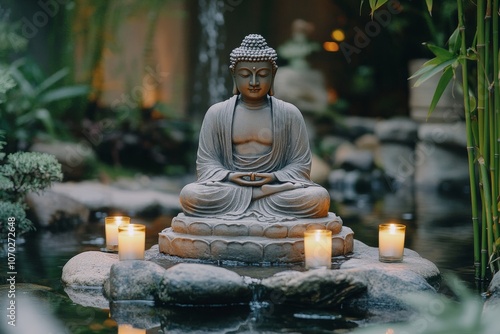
(253, 48)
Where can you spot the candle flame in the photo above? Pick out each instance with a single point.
(130, 229)
(118, 221)
(389, 331)
(392, 229)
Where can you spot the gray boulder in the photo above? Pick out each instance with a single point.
(397, 161)
(398, 129)
(449, 134)
(320, 288)
(88, 269)
(134, 280)
(53, 209)
(389, 285)
(96, 195)
(200, 284)
(435, 164)
(366, 258)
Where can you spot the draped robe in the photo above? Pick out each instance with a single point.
(212, 196)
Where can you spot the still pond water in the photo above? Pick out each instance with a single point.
(438, 228)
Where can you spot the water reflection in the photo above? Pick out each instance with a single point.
(253, 318)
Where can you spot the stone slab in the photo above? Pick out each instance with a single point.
(249, 249)
(251, 227)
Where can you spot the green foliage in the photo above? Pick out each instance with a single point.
(481, 96)
(27, 94)
(444, 63)
(9, 39)
(6, 82)
(28, 172)
(25, 110)
(16, 210)
(20, 173)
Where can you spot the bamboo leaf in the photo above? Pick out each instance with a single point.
(47, 83)
(429, 65)
(375, 4)
(64, 93)
(26, 87)
(454, 41)
(440, 52)
(435, 70)
(440, 88)
(380, 3)
(426, 67)
(44, 116)
(429, 6)
(361, 6)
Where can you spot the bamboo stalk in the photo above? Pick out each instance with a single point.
(470, 143)
(496, 120)
(487, 223)
(487, 152)
(481, 93)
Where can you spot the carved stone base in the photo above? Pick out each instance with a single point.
(248, 240)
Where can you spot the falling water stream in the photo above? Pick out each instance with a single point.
(210, 69)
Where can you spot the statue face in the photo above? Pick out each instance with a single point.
(253, 79)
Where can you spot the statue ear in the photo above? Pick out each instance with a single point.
(271, 90)
(235, 88)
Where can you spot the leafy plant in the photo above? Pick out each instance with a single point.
(16, 210)
(20, 173)
(23, 172)
(26, 109)
(27, 94)
(480, 84)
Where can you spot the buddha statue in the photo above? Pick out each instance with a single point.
(253, 158)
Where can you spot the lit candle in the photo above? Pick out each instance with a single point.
(131, 242)
(391, 242)
(129, 329)
(111, 228)
(318, 248)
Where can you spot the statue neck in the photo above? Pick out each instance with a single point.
(254, 104)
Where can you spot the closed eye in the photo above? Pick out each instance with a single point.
(244, 73)
(264, 73)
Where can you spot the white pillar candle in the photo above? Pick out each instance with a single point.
(129, 329)
(318, 249)
(131, 242)
(111, 229)
(391, 242)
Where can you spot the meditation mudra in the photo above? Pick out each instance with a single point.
(253, 157)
